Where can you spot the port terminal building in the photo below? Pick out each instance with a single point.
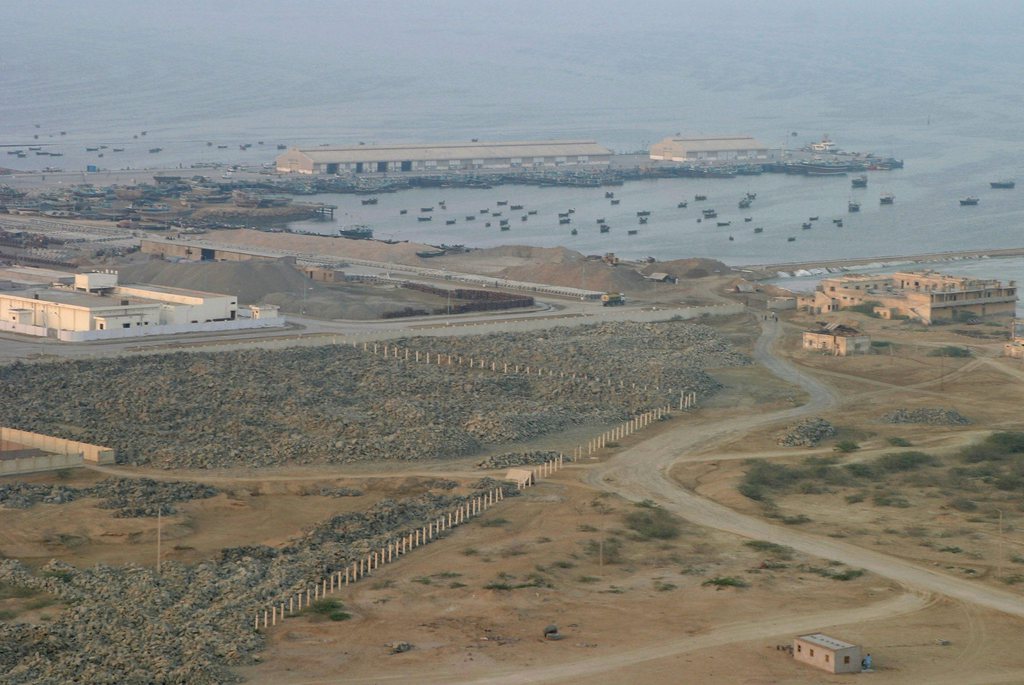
(444, 157)
(96, 307)
(742, 149)
(924, 296)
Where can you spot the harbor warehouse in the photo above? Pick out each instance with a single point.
(442, 157)
(734, 149)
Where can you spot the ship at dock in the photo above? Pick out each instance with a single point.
(356, 232)
(1005, 184)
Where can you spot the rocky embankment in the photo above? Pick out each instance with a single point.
(129, 497)
(932, 416)
(335, 404)
(807, 433)
(188, 624)
(512, 459)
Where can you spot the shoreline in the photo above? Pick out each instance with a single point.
(789, 269)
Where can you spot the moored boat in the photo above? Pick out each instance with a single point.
(852, 206)
(887, 199)
(969, 201)
(1005, 184)
(860, 182)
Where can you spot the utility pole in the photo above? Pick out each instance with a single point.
(159, 524)
(999, 556)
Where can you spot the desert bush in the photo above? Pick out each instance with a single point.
(776, 550)
(846, 446)
(950, 351)
(725, 581)
(899, 442)
(651, 522)
(904, 461)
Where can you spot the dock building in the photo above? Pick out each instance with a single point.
(444, 157)
(924, 296)
(96, 307)
(698, 150)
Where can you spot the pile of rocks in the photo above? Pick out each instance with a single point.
(933, 416)
(189, 624)
(335, 404)
(130, 497)
(510, 459)
(807, 433)
(324, 491)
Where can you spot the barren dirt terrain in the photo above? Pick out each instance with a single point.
(650, 556)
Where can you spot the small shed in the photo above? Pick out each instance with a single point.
(521, 477)
(827, 653)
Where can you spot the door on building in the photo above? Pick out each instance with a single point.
(406, 166)
(207, 255)
(332, 168)
(382, 167)
(359, 167)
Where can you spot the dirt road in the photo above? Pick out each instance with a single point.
(641, 473)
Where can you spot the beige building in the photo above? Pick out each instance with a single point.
(96, 306)
(732, 149)
(924, 296)
(837, 340)
(827, 653)
(443, 157)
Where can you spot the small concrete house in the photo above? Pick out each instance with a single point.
(827, 653)
(837, 339)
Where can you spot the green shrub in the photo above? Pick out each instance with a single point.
(855, 498)
(846, 446)
(950, 351)
(493, 523)
(964, 504)
(899, 442)
(904, 461)
(332, 608)
(653, 523)
(996, 447)
(725, 581)
(796, 520)
(776, 550)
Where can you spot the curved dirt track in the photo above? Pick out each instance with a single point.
(641, 472)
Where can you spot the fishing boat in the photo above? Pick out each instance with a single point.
(600, 221)
(724, 223)
(502, 203)
(369, 201)
(503, 222)
(516, 207)
(709, 213)
(1005, 184)
(609, 194)
(504, 228)
(969, 201)
(449, 222)
(565, 220)
(812, 218)
(852, 206)
(632, 232)
(573, 232)
(747, 219)
(806, 225)
(758, 230)
(605, 228)
(470, 217)
(524, 217)
(117, 149)
(424, 218)
(615, 202)
(356, 232)
(745, 203)
(838, 223)
(282, 147)
(859, 182)
(887, 199)
(791, 239)
(403, 211)
(643, 219)
(428, 255)
(681, 205)
(643, 213)
(531, 212)
(699, 198)
(426, 209)
(154, 150)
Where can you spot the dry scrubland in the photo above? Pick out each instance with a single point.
(336, 404)
(229, 549)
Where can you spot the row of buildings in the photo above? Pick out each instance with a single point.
(500, 156)
(94, 306)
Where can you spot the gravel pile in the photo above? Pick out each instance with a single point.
(324, 491)
(933, 416)
(190, 624)
(510, 459)
(130, 497)
(807, 433)
(335, 404)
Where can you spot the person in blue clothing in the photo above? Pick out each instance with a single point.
(865, 663)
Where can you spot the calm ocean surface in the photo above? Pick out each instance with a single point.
(940, 87)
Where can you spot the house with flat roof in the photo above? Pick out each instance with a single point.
(827, 653)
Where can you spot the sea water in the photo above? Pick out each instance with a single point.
(928, 82)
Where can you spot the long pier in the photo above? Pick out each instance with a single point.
(763, 271)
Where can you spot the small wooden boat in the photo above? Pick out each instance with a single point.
(632, 232)
(681, 205)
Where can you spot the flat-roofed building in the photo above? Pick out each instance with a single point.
(444, 157)
(1015, 348)
(925, 296)
(96, 307)
(697, 150)
(827, 653)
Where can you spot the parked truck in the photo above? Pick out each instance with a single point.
(612, 299)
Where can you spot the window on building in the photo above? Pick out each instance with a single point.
(846, 659)
(826, 658)
(799, 648)
(812, 651)
(126, 325)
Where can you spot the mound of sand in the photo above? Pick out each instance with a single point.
(696, 267)
(251, 281)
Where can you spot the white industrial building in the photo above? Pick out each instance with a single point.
(696, 150)
(97, 307)
(442, 157)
